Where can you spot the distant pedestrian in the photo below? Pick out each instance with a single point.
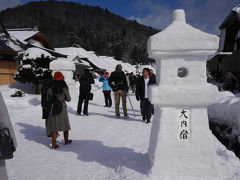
(142, 94)
(118, 83)
(127, 78)
(46, 84)
(132, 79)
(58, 94)
(5, 122)
(84, 92)
(152, 75)
(106, 89)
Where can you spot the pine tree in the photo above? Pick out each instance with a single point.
(32, 70)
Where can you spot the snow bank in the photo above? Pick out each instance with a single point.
(66, 67)
(62, 64)
(226, 110)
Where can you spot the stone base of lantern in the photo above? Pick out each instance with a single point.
(173, 158)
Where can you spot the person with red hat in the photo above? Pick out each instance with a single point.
(106, 89)
(58, 119)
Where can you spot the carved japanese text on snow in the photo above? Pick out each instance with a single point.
(181, 144)
(183, 121)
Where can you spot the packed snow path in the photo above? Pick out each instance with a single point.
(103, 147)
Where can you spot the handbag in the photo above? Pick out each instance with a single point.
(91, 96)
(57, 106)
(6, 144)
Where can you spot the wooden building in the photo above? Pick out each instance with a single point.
(228, 57)
(9, 48)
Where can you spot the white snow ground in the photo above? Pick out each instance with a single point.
(103, 148)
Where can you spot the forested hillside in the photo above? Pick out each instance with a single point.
(92, 28)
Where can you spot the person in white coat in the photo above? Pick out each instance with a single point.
(5, 122)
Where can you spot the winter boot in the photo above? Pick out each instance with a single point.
(66, 140)
(54, 141)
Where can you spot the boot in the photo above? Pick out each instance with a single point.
(54, 141)
(67, 141)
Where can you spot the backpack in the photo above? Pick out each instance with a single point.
(115, 85)
(6, 144)
(56, 106)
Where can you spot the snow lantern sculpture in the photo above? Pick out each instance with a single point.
(181, 144)
(66, 67)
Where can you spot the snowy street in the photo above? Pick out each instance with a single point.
(103, 147)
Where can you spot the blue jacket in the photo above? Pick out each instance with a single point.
(105, 83)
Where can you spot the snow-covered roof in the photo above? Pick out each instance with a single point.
(102, 62)
(237, 9)
(62, 64)
(9, 43)
(111, 64)
(22, 35)
(180, 38)
(33, 53)
(234, 14)
(82, 53)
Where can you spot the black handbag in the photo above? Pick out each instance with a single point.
(6, 144)
(91, 96)
(57, 106)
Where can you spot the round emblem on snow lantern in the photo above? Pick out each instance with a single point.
(182, 72)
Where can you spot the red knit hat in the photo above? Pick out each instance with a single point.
(106, 73)
(58, 76)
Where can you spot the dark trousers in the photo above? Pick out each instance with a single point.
(107, 97)
(80, 102)
(133, 87)
(146, 109)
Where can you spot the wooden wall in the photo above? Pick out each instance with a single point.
(7, 69)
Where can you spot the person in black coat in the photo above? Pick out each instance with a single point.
(46, 105)
(118, 83)
(142, 89)
(133, 80)
(85, 89)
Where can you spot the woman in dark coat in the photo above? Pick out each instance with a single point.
(84, 91)
(46, 84)
(59, 122)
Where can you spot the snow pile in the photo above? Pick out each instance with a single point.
(66, 67)
(34, 53)
(62, 64)
(226, 110)
(27, 66)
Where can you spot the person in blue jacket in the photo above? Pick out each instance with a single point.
(106, 90)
